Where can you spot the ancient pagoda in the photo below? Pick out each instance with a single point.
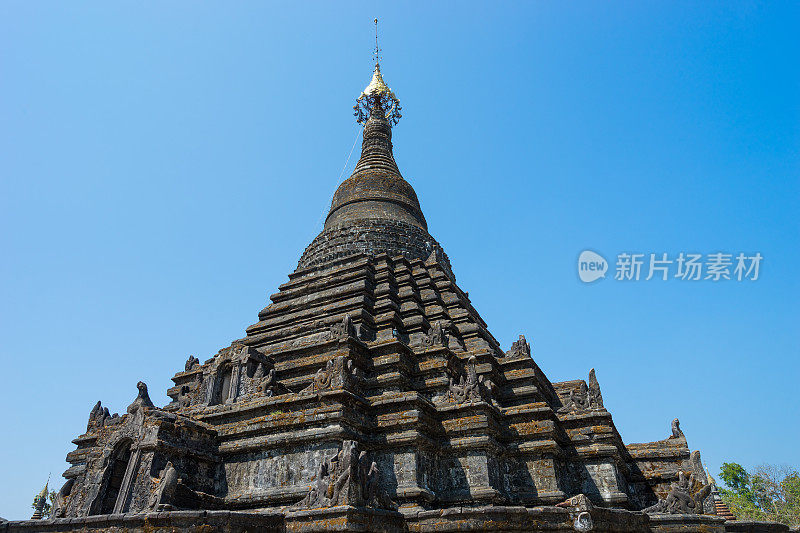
(370, 396)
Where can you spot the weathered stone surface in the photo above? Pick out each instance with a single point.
(166, 522)
(751, 526)
(344, 518)
(371, 396)
(672, 523)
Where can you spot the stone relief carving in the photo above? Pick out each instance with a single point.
(164, 494)
(368, 480)
(142, 400)
(191, 363)
(587, 398)
(343, 330)
(469, 388)
(686, 496)
(239, 353)
(264, 380)
(235, 372)
(519, 347)
(576, 401)
(436, 336)
(347, 478)
(99, 417)
(595, 396)
(579, 510)
(339, 372)
(113, 476)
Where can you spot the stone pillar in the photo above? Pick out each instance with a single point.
(602, 479)
(411, 489)
(544, 471)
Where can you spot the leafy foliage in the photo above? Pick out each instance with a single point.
(48, 506)
(770, 493)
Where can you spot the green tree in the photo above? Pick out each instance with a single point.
(769, 493)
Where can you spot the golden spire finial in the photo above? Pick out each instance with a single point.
(44, 490)
(377, 94)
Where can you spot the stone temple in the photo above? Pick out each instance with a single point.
(370, 396)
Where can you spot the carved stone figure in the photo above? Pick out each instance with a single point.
(333, 475)
(580, 511)
(347, 478)
(191, 363)
(579, 401)
(519, 347)
(676, 429)
(436, 336)
(469, 388)
(318, 493)
(324, 377)
(99, 417)
(142, 399)
(576, 401)
(264, 378)
(96, 417)
(240, 353)
(595, 396)
(686, 496)
(164, 494)
(343, 330)
(587, 397)
(343, 472)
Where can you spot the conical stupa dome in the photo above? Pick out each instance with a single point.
(375, 210)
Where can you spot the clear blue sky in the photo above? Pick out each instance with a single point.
(163, 166)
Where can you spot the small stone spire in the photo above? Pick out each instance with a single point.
(40, 502)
